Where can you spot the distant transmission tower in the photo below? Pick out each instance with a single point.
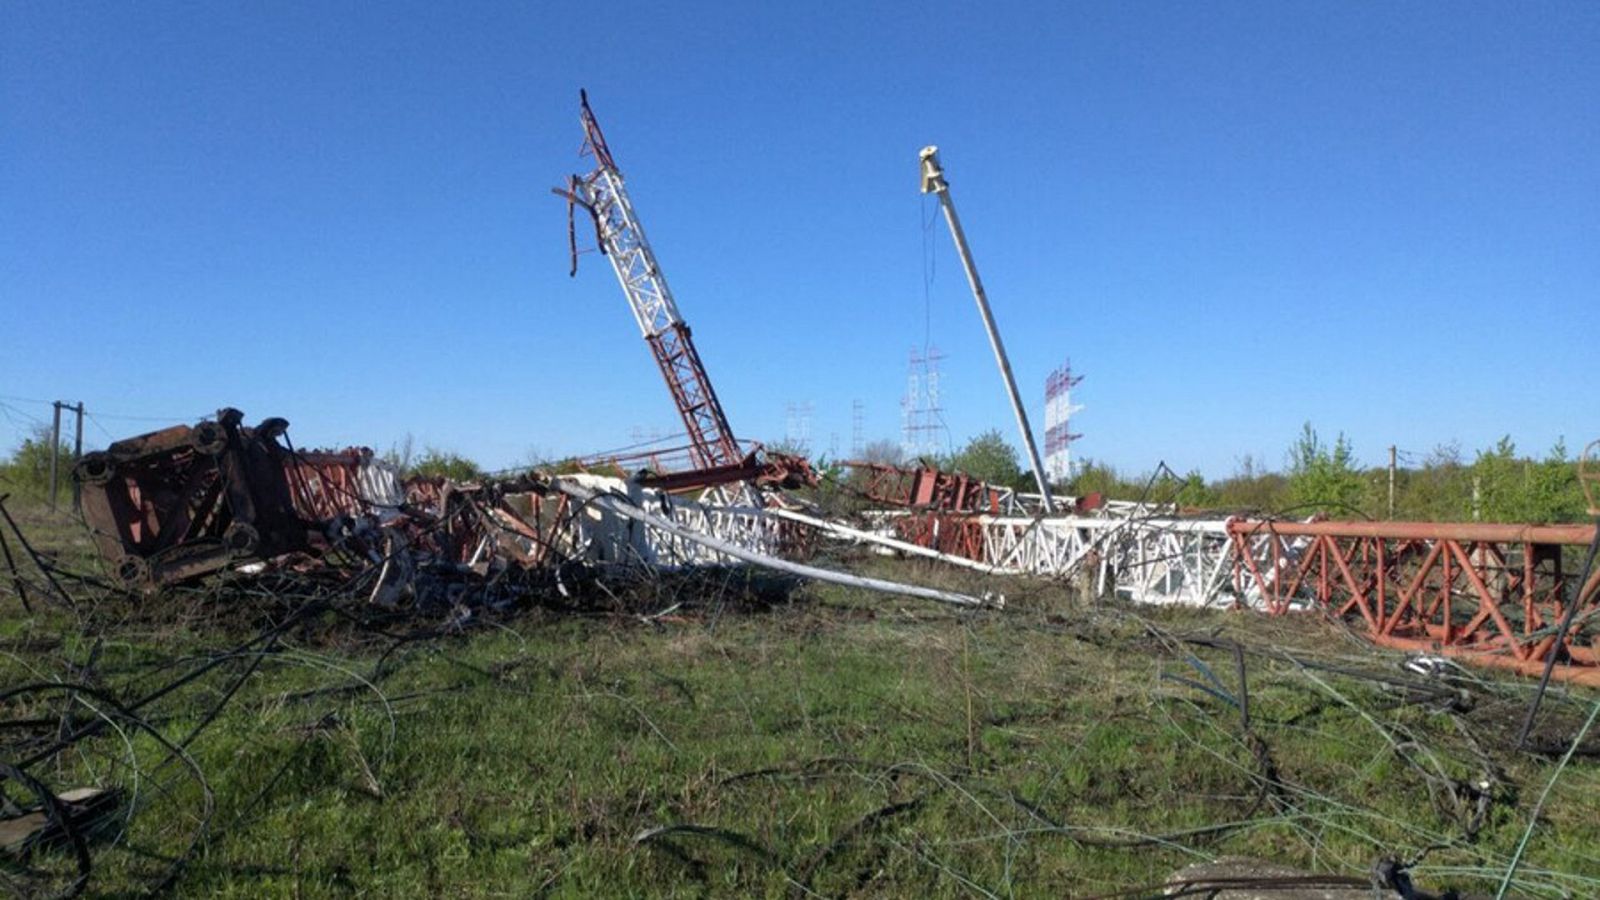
(641, 435)
(1058, 410)
(858, 428)
(922, 418)
(797, 427)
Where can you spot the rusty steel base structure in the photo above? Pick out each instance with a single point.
(1490, 594)
(180, 502)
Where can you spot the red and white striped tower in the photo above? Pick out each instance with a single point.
(1058, 410)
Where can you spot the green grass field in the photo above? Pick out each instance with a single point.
(831, 743)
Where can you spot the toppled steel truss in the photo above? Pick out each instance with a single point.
(178, 504)
(1488, 593)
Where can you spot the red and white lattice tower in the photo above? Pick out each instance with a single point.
(1058, 410)
(622, 240)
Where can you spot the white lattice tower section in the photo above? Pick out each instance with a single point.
(922, 416)
(797, 427)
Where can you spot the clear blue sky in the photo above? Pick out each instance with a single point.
(1380, 217)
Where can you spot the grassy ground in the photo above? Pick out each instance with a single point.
(834, 743)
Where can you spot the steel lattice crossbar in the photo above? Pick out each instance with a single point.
(1490, 593)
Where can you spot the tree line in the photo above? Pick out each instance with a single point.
(1497, 484)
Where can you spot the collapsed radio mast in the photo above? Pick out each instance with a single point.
(622, 239)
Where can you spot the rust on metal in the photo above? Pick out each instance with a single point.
(184, 501)
(1470, 589)
(927, 487)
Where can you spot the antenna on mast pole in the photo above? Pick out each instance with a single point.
(933, 182)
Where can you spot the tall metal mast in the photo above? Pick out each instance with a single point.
(621, 238)
(933, 182)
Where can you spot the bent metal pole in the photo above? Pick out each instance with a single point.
(933, 182)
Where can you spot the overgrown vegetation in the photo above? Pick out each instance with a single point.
(990, 458)
(1499, 485)
(432, 462)
(27, 471)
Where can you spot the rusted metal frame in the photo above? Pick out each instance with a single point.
(745, 469)
(1320, 553)
(950, 534)
(1307, 561)
(621, 237)
(594, 141)
(321, 485)
(185, 501)
(1545, 645)
(1358, 594)
(1277, 570)
(1578, 535)
(1426, 600)
(1455, 633)
(264, 519)
(696, 399)
(150, 510)
(141, 504)
(1474, 627)
(1491, 605)
(858, 536)
(176, 529)
(1446, 591)
(1409, 597)
(1241, 551)
(1516, 582)
(1273, 592)
(1520, 645)
(1382, 571)
(1425, 562)
(894, 485)
(107, 524)
(1395, 560)
(1531, 618)
(972, 537)
(1586, 675)
(236, 473)
(929, 487)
